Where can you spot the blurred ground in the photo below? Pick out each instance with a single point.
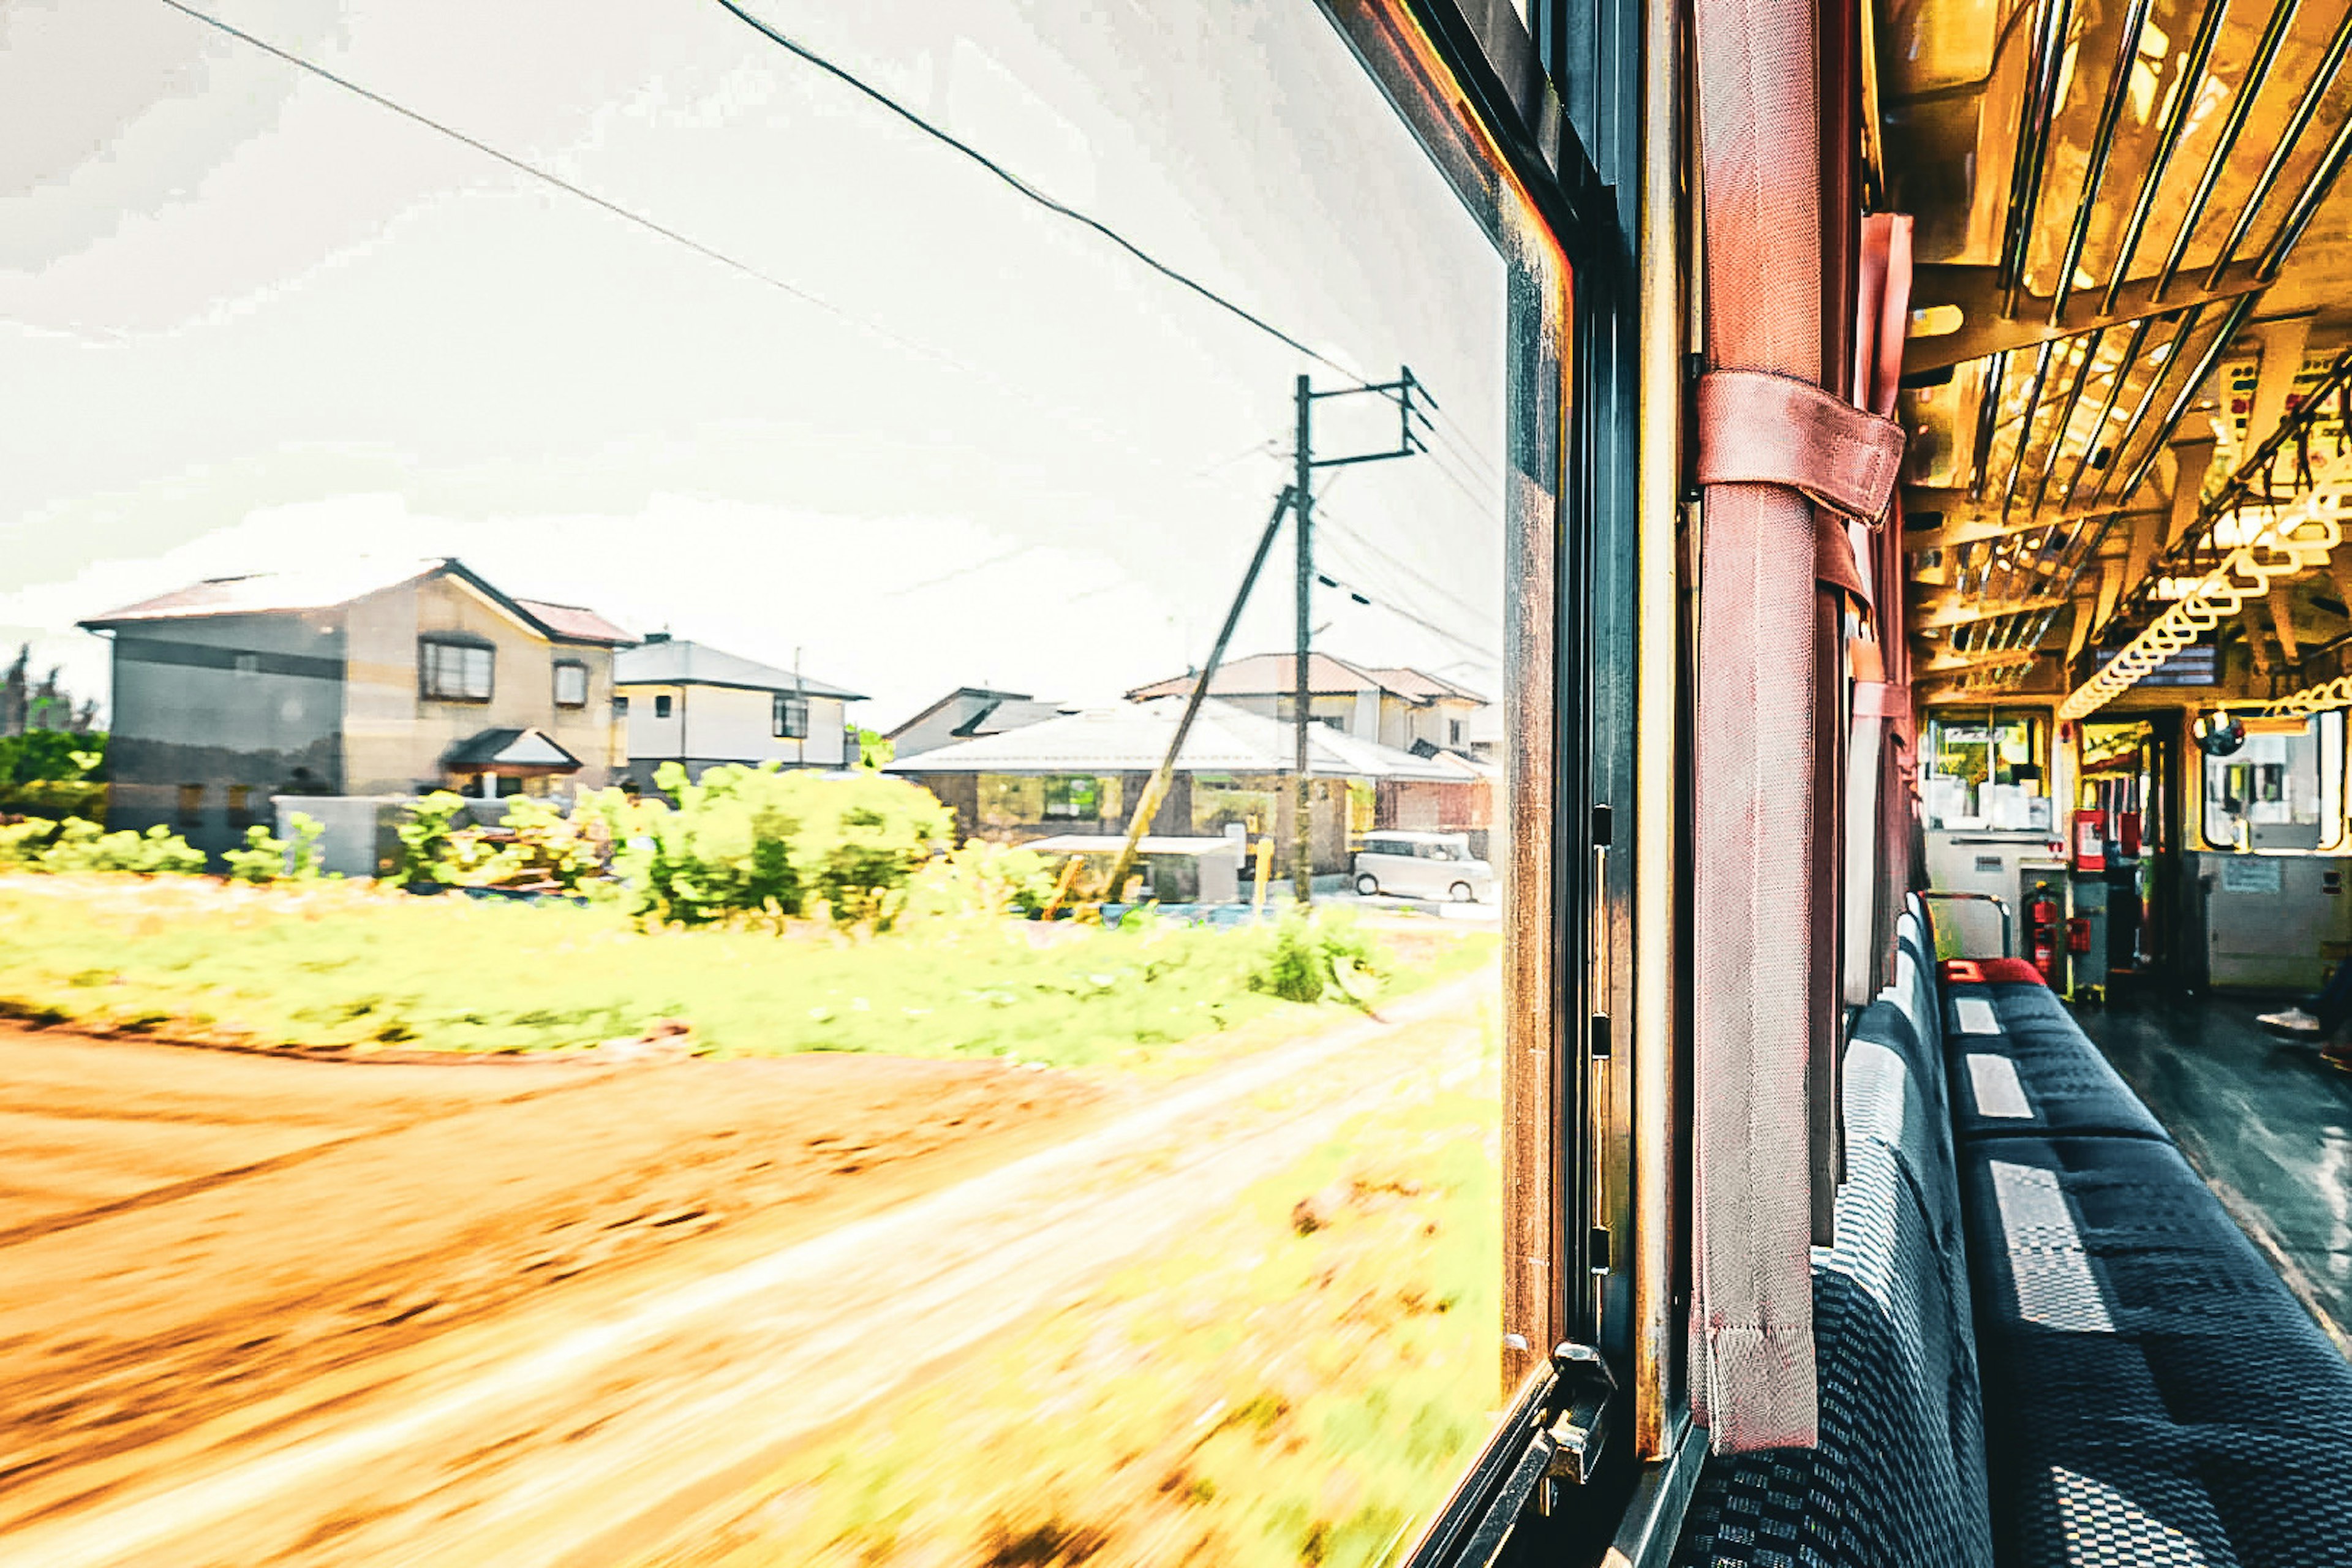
(260, 1312)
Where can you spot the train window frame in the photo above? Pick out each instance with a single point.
(2331, 770)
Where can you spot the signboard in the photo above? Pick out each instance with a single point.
(2250, 874)
(2192, 666)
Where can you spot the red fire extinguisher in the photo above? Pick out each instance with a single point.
(2041, 918)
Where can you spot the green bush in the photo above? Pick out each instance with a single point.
(76, 845)
(268, 858)
(981, 878)
(1308, 956)
(756, 843)
(537, 845)
(426, 839)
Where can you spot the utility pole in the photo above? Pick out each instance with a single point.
(1401, 392)
(1148, 806)
(1302, 789)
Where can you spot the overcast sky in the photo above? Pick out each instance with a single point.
(248, 318)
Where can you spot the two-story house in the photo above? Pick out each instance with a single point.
(690, 704)
(1396, 706)
(364, 678)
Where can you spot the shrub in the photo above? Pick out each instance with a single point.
(981, 878)
(425, 839)
(757, 843)
(76, 845)
(539, 845)
(268, 858)
(1308, 956)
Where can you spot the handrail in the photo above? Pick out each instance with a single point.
(2008, 922)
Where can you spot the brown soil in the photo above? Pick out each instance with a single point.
(195, 1243)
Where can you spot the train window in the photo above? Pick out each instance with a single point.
(2283, 788)
(1140, 434)
(1986, 771)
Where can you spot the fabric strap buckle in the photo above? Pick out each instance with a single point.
(1759, 428)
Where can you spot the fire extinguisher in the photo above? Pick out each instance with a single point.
(2041, 918)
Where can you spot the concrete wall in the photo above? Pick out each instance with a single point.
(230, 705)
(709, 724)
(360, 837)
(395, 737)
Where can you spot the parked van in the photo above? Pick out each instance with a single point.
(1423, 866)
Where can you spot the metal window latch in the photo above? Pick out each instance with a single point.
(1580, 1430)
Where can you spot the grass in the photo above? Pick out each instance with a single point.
(1299, 1384)
(331, 966)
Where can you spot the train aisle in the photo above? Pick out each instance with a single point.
(2264, 1120)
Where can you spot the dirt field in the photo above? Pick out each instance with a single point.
(257, 1311)
(187, 1235)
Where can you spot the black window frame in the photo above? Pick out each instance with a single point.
(663, 705)
(428, 688)
(788, 715)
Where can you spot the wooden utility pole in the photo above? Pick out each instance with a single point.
(1401, 392)
(1148, 805)
(1302, 849)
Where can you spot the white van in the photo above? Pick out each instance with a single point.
(1423, 866)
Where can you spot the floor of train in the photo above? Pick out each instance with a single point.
(2265, 1119)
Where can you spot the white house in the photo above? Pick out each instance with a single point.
(688, 703)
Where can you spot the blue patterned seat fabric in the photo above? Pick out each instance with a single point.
(2135, 1384)
(2035, 1072)
(1899, 1477)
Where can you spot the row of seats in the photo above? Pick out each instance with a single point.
(2042, 1342)
(2154, 1394)
(1898, 1479)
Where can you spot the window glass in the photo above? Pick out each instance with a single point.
(456, 672)
(1986, 770)
(570, 684)
(789, 715)
(803, 397)
(2282, 789)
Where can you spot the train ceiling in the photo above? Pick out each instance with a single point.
(2133, 242)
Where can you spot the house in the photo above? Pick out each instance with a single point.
(965, 713)
(1396, 706)
(1081, 772)
(362, 678)
(690, 704)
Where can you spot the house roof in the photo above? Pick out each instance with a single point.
(1271, 675)
(1411, 682)
(576, 622)
(516, 749)
(326, 585)
(992, 711)
(672, 662)
(1134, 737)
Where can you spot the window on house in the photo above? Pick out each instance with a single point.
(620, 707)
(192, 806)
(1454, 732)
(240, 805)
(455, 672)
(571, 683)
(790, 713)
(1072, 795)
(661, 707)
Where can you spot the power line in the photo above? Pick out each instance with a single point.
(1063, 209)
(548, 176)
(1457, 639)
(1352, 542)
(651, 226)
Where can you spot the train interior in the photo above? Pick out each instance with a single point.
(2125, 387)
(2064, 839)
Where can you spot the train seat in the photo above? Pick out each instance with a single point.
(1900, 1474)
(2153, 1394)
(2021, 1066)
